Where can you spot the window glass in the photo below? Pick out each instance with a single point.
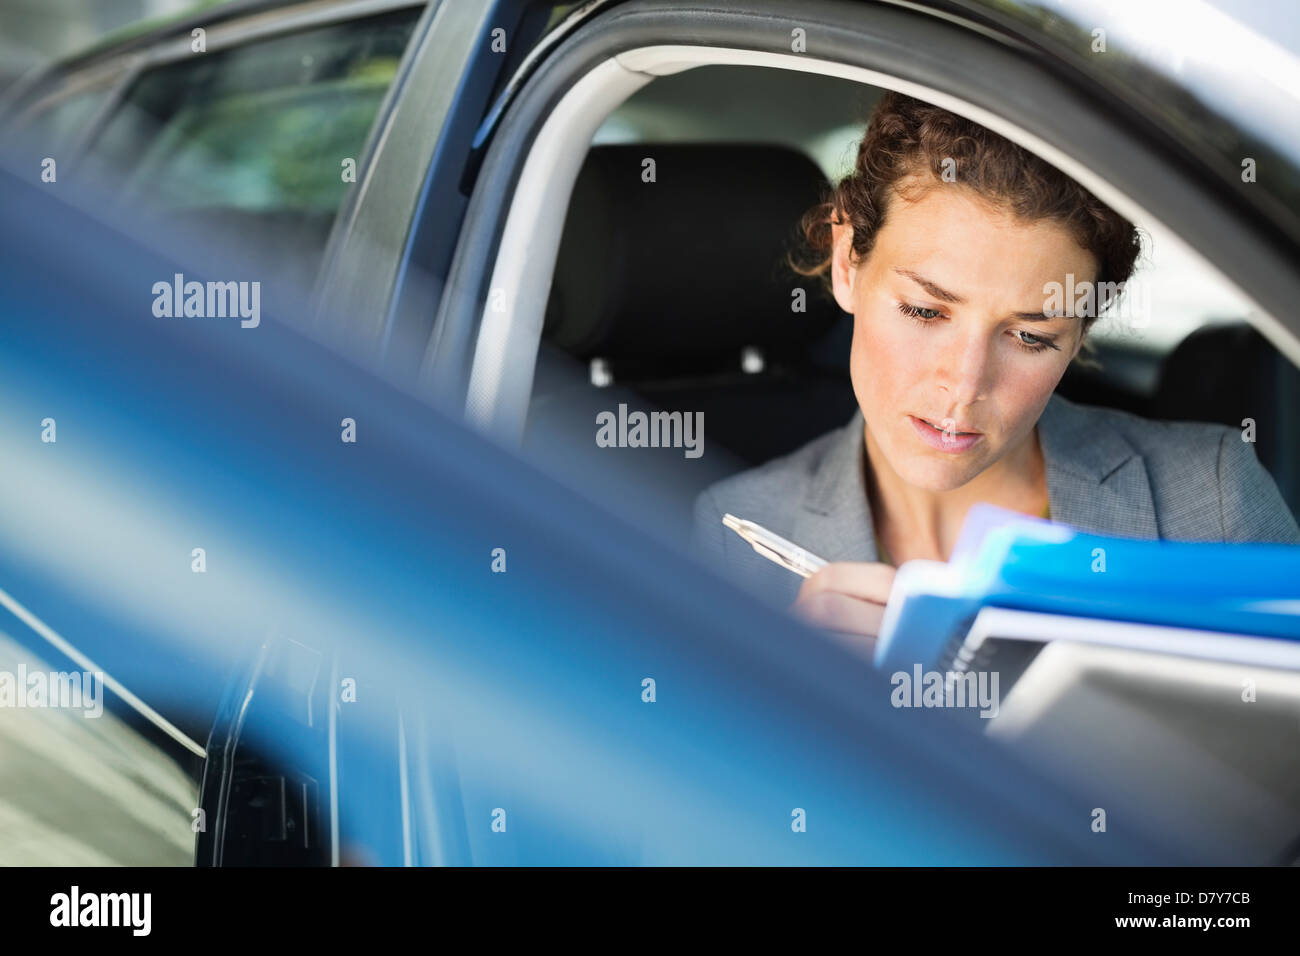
(56, 125)
(253, 145)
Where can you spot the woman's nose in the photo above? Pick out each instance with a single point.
(964, 371)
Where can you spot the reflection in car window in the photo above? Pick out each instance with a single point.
(252, 144)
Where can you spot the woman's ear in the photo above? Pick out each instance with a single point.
(843, 272)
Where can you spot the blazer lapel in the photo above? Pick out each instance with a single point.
(1096, 481)
(834, 521)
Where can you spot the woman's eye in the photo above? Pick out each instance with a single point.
(916, 312)
(1033, 343)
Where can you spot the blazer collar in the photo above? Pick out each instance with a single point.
(835, 519)
(1096, 481)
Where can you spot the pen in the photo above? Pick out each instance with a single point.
(774, 547)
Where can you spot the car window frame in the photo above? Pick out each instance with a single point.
(387, 259)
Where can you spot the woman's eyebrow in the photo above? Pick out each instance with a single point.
(930, 287)
(1042, 315)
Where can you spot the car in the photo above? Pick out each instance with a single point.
(450, 199)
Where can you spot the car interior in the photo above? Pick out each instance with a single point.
(679, 299)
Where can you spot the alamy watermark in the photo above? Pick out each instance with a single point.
(208, 300)
(946, 689)
(1126, 306)
(129, 910)
(651, 430)
(1127, 302)
(65, 690)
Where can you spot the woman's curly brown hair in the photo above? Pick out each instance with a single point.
(906, 137)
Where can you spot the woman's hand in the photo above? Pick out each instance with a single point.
(848, 599)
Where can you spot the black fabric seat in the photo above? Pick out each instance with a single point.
(678, 288)
(670, 282)
(1228, 372)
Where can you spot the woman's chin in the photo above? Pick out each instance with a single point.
(937, 476)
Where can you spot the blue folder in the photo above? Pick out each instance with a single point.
(1009, 560)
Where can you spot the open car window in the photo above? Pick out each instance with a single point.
(757, 355)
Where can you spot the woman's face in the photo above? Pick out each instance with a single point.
(949, 330)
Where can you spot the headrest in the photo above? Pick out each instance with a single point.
(691, 263)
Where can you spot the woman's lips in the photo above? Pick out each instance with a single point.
(954, 442)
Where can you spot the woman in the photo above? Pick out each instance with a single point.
(943, 244)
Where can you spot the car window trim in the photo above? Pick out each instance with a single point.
(362, 266)
(346, 217)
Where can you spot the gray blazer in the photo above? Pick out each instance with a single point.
(1108, 472)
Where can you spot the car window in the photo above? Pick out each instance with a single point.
(762, 379)
(824, 118)
(256, 145)
(53, 125)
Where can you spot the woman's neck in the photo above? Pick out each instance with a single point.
(913, 522)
